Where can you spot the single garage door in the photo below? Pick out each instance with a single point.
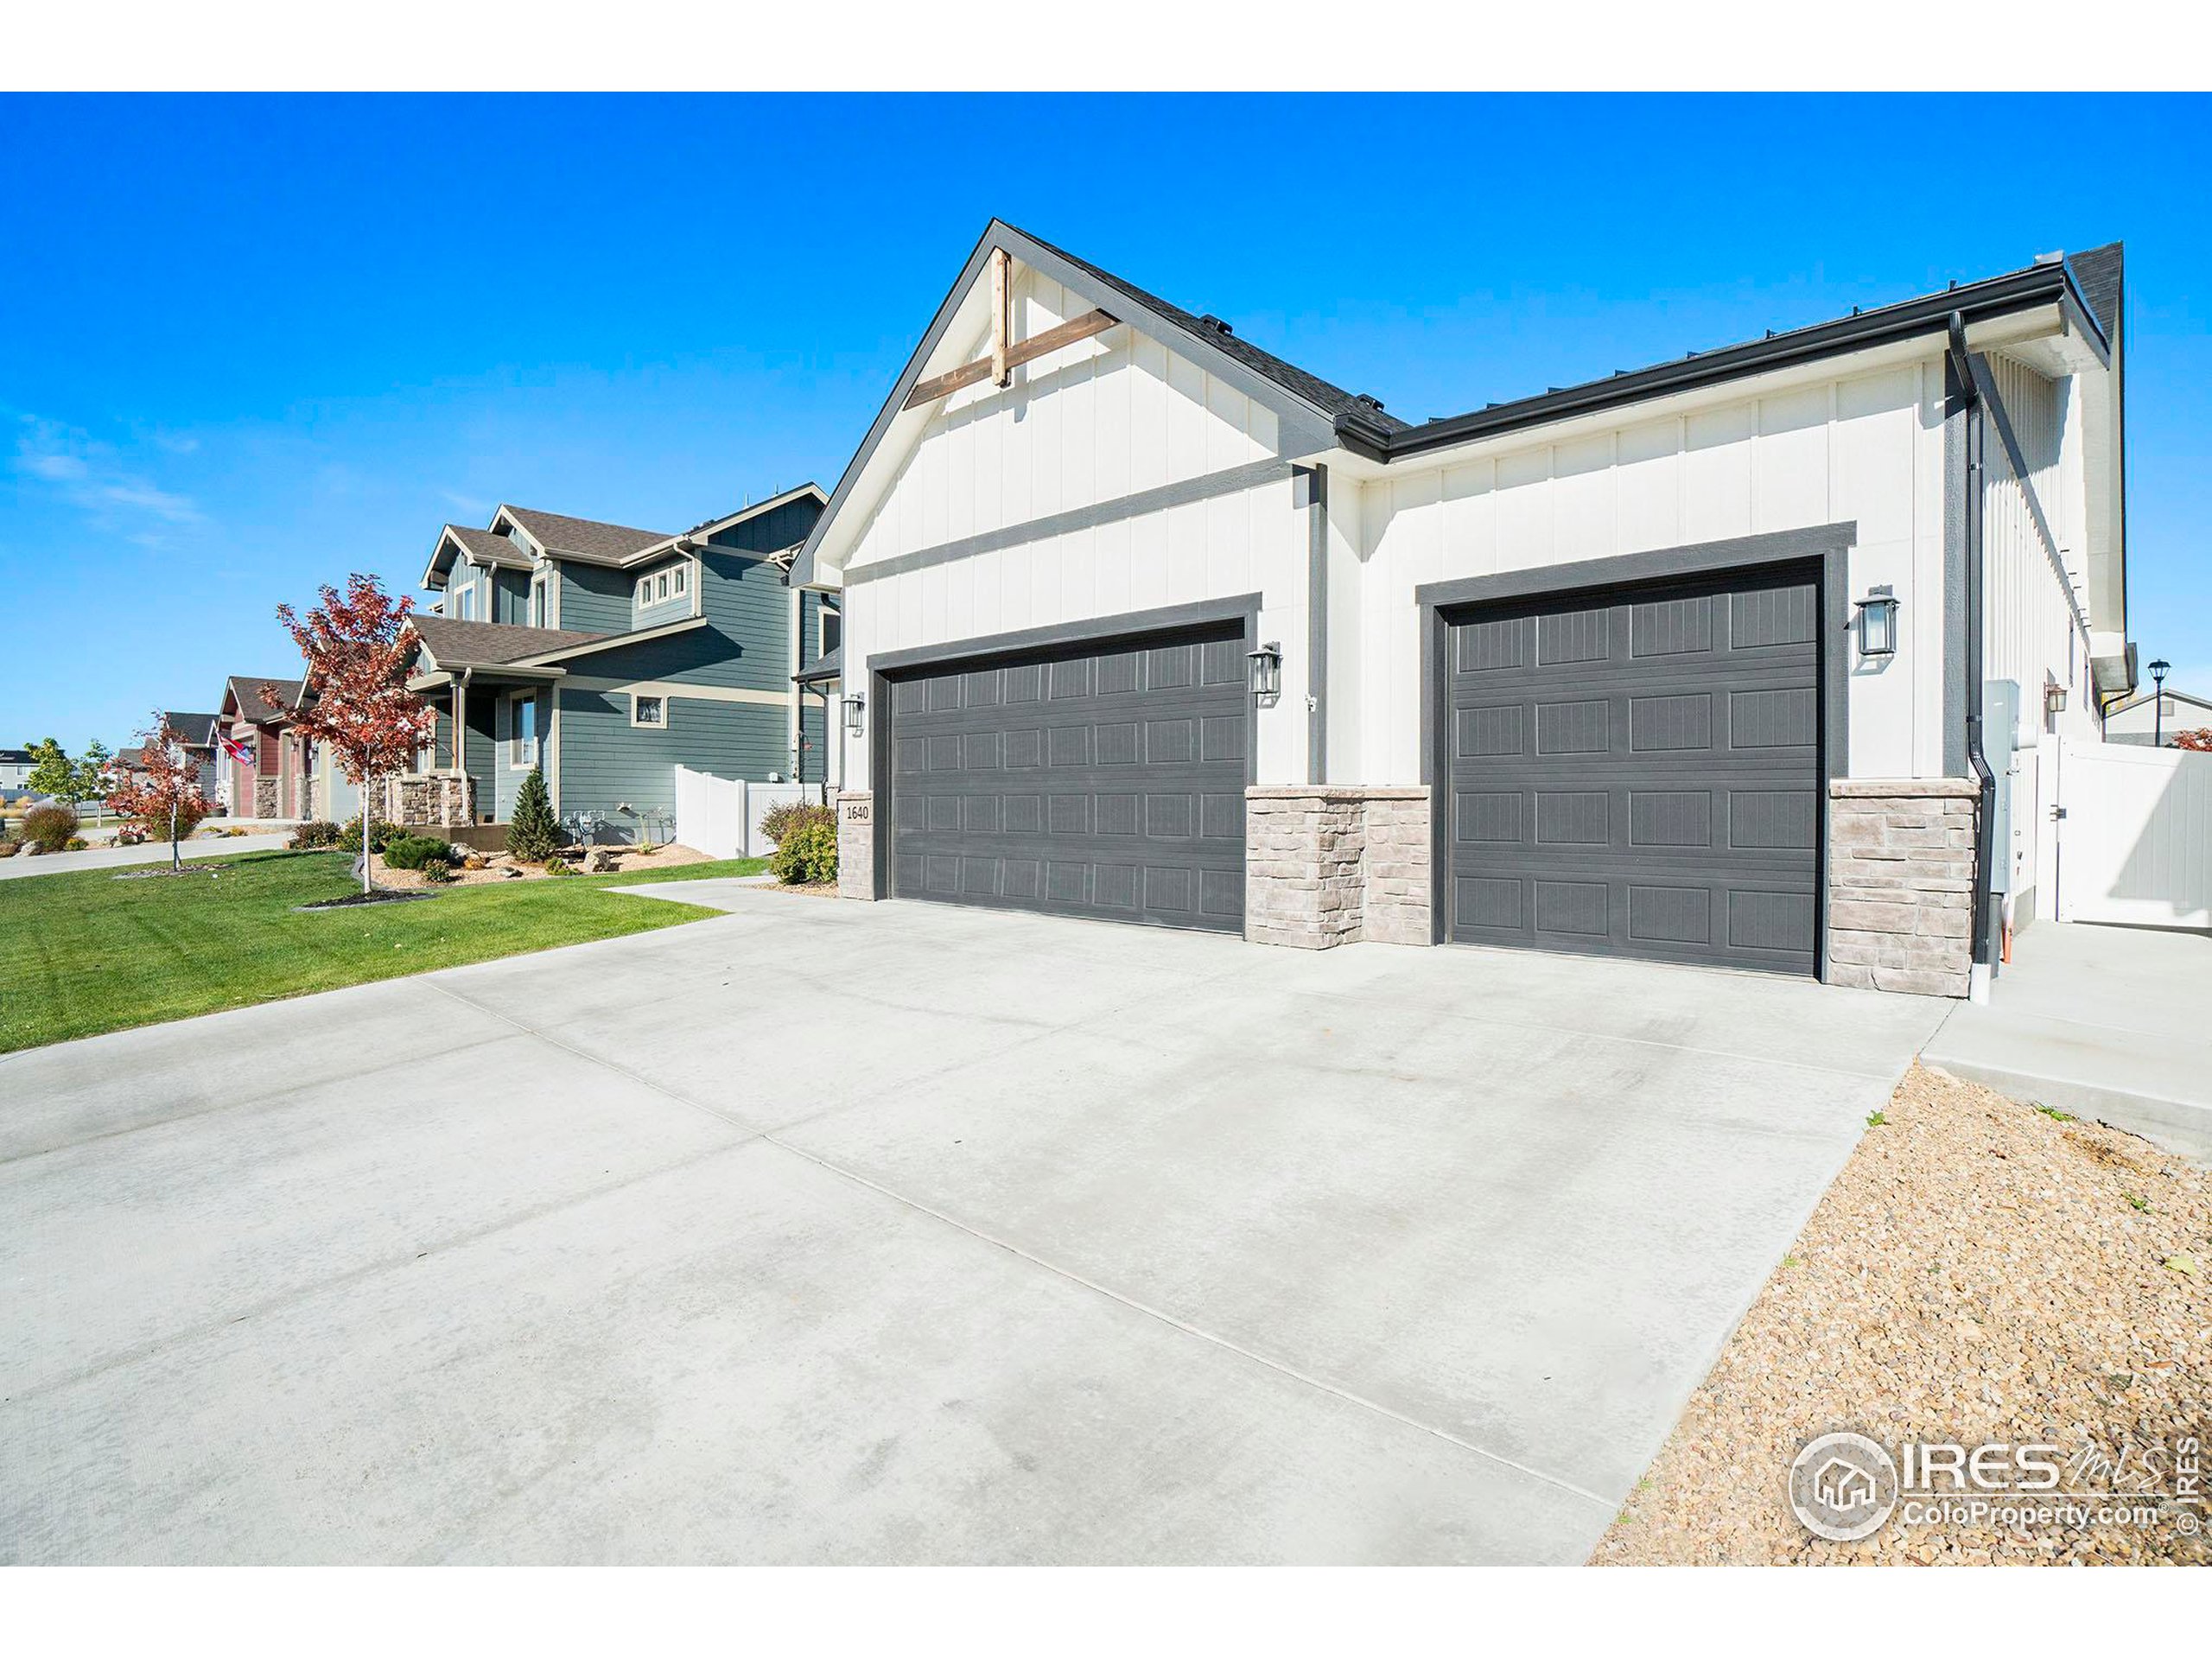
(1640, 774)
(1107, 781)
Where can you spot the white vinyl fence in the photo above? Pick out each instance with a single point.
(721, 816)
(2135, 845)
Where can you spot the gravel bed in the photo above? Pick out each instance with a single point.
(1982, 1270)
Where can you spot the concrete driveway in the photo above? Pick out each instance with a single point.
(831, 1232)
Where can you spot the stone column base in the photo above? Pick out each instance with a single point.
(1328, 864)
(1901, 884)
(856, 844)
(265, 798)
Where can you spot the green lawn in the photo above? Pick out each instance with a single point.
(84, 953)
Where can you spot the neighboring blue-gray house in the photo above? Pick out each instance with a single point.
(612, 656)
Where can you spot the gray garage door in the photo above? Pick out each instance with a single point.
(1105, 782)
(1640, 775)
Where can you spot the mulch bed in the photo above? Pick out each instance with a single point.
(1982, 1270)
(381, 896)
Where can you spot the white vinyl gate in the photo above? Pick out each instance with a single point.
(2135, 842)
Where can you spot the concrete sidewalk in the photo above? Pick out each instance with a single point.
(2114, 1023)
(121, 858)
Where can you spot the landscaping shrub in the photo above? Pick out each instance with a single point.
(437, 871)
(75, 844)
(157, 827)
(49, 828)
(559, 867)
(533, 832)
(413, 852)
(349, 834)
(321, 833)
(781, 819)
(807, 852)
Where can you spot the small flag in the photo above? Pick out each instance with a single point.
(236, 750)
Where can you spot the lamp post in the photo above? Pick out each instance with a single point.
(2159, 669)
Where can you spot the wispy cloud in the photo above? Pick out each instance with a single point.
(474, 508)
(93, 477)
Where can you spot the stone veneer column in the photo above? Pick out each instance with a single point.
(1326, 865)
(1901, 883)
(856, 844)
(264, 796)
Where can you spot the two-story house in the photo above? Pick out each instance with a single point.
(262, 773)
(610, 656)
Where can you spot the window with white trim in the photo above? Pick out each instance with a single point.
(646, 709)
(522, 730)
(832, 632)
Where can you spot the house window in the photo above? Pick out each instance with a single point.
(537, 602)
(646, 710)
(464, 603)
(683, 572)
(660, 585)
(522, 729)
(833, 631)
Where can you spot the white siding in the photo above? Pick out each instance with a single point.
(1109, 417)
(2029, 633)
(1253, 540)
(1867, 448)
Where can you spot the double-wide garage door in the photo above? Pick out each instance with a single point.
(1107, 781)
(1640, 775)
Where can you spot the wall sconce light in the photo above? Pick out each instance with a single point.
(2054, 699)
(853, 706)
(1265, 665)
(1877, 624)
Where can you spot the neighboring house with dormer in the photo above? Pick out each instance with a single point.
(612, 655)
(261, 772)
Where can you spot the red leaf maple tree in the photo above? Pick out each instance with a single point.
(354, 696)
(2200, 740)
(161, 793)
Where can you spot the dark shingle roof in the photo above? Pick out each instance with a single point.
(559, 534)
(245, 690)
(15, 757)
(1333, 400)
(2099, 272)
(829, 665)
(488, 547)
(462, 645)
(194, 731)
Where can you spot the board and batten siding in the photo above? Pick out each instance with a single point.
(1865, 447)
(1111, 416)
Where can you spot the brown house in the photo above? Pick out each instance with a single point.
(273, 782)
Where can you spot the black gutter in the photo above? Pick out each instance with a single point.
(1963, 384)
(1997, 296)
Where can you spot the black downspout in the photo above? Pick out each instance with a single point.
(1962, 366)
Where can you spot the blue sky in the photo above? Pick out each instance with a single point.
(251, 344)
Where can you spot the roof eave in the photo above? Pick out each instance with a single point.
(1997, 296)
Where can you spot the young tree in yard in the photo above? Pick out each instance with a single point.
(533, 833)
(162, 794)
(354, 696)
(92, 775)
(2199, 739)
(51, 773)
